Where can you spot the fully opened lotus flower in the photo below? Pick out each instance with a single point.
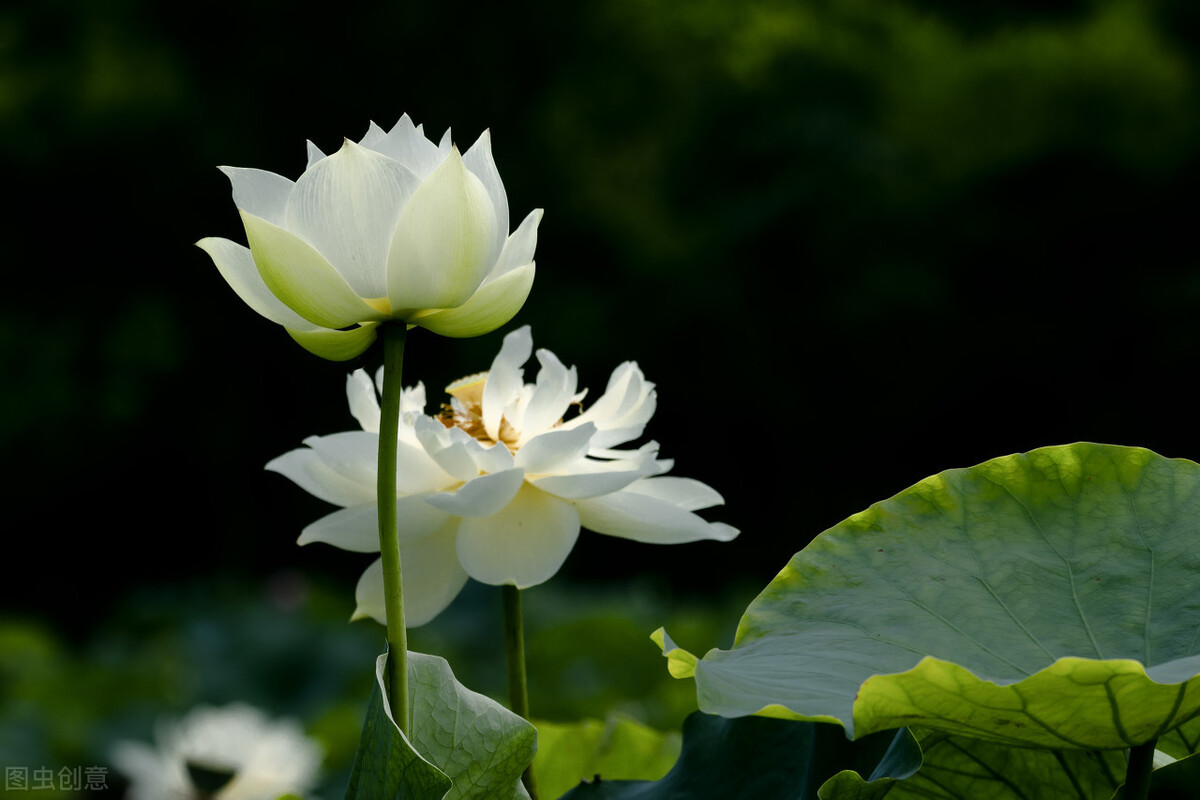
(229, 753)
(393, 227)
(497, 485)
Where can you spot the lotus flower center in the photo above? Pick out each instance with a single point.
(466, 412)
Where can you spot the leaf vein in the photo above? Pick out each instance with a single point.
(1066, 562)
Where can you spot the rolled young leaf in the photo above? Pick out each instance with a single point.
(464, 745)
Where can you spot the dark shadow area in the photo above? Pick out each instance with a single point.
(853, 245)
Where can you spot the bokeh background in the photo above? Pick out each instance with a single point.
(854, 243)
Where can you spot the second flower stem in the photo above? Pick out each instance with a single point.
(514, 649)
(1137, 774)
(394, 336)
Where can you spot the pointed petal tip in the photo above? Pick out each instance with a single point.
(533, 218)
(724, 533)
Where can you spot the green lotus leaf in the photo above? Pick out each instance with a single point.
(619, 748)
(461, 744)
(616, 749)
(1044, 599)
(770, 758)
(960, 768)
(1183, 741)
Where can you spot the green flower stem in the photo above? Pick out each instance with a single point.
(514, 649)
(393, 335)
(1137, 774)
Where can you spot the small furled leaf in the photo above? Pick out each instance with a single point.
(463, 744)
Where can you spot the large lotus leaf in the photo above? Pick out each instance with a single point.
(461, 744)
(770, 758)
(1047, 598)
(960, 768)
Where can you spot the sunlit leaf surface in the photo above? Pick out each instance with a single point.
(618, 748)
(1045, 599)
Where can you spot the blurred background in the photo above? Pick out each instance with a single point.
(854, 243)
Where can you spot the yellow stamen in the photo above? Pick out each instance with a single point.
(467, 413)
(468, 390)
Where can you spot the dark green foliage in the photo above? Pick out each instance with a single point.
(760, 757)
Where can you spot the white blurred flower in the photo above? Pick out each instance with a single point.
(497, 485)
(230, 753)
(393, 227)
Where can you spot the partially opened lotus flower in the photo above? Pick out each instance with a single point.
(497, 485)
(393, 227)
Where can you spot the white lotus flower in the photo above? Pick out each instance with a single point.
(230, 753)
(394, 227)
(497, 485)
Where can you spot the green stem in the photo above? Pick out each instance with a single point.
(514, 650)
(394, 335)
(1137, 774)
